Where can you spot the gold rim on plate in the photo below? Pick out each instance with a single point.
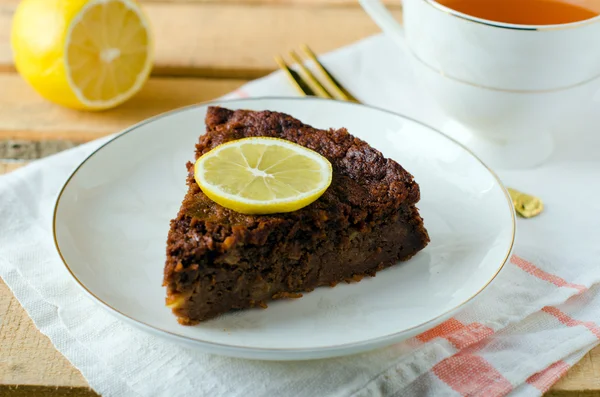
(375, 342)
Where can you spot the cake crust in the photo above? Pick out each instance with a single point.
(219, 260)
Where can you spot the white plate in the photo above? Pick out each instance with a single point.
(112, 217)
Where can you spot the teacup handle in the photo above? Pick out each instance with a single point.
(384, 19)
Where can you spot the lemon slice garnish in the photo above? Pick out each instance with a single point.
(85, 54)
(263, 175)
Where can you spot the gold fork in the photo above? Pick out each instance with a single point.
(307, 84)
(311, 86)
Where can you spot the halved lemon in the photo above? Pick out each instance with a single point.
(84, 54)
(263, 175)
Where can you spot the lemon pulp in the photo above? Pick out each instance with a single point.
(263, 175)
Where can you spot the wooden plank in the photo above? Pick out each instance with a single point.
(12, 149)
(26, 116)
(221, 40)
(582, 380)
(45, 391)
(5, 168)
(28, 358)
(303, 3)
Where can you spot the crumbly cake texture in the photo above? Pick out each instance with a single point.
(219, 260)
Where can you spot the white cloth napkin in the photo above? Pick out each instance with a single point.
(525, 330)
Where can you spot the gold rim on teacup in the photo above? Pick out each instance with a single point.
(488, 87)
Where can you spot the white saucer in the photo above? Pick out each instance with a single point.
(529, 151)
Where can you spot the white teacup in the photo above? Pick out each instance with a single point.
(504, 85)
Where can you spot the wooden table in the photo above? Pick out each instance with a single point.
(204, 49)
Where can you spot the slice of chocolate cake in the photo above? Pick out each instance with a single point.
(219, 260)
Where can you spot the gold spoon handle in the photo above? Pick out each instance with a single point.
(525, 204)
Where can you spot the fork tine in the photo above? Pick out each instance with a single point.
(309, 78)
(294, 78)
(338, 90)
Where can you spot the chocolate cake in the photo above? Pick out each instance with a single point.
(220, 260)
